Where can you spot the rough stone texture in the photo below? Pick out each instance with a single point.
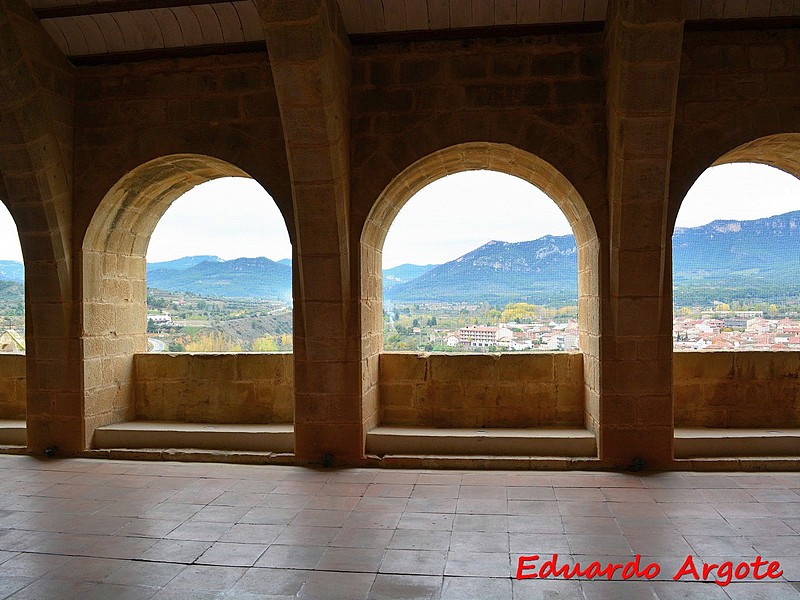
(497, 390)
(36, 160)
(737, 389)
(643, 42)
(214, 388)
(12, 386)
(130, 170)
(736, 90)
(310, 57)
(615, 125)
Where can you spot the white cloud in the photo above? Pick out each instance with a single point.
(9, 238)
(229, 217)
(460, 212)
(739, 191)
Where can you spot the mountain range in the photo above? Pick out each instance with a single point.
(755, 261)
(542, 271)
(725, 260)
(241, 277)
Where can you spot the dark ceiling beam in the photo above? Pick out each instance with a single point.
(116, 58)
(489, 31)
(100, 8)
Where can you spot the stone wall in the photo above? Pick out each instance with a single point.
(481, 390)
(214, 388)
(12, 386)
(737, 389)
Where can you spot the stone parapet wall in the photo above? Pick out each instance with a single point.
(480, 390)
(214, 388)
(737, 389)
(12, 386)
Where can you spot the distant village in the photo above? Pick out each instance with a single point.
(543, 337)
(712, 330)
(736, 330)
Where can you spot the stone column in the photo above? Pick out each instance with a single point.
(310, 59)
(643, 45)
(36, 122)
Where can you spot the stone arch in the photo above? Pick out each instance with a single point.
(732, 393)
(781, 150)
(558, 146)
(114, 277)
(476, 156)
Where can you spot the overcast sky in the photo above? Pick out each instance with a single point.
(235, 217)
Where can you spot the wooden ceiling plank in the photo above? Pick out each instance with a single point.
(549, 11)
(572, 11)
(95, 7)
(394, 15)
(229, 21)
(95, 41)
(460, 13)
(57, 35)
(351, 15)
(115, 41)
(417, 15)
(712, 9)
(151, 30)
(372, 12)
(595, 10)
(505, 12)
(191, 32)
(780, 8)
(527, 12)
(209, 24)
(735, 9)
(438, 14)
(757, 8)
(483, 13)
(76, 42)
(130, 31)
(250, 20)
(169, 26)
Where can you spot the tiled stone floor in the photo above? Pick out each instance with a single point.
(81, 528)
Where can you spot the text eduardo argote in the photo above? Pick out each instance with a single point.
(530, 567)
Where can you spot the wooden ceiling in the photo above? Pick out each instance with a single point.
(116, 29)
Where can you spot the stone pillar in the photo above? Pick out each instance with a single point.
(310, 59)
(643, 61)
(36, 123)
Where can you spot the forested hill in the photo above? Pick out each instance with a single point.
(12, 270)
(751, 261)
(237, 278)
(542, 271)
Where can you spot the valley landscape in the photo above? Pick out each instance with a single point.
(736, 285)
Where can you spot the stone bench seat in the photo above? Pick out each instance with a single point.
(13, 433)
(704, 442)
(203, 436)
(555, 442)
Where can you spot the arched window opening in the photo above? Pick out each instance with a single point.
(736, 261)
(472, 389)
(12, 287)
(480, 261)
(219, 274)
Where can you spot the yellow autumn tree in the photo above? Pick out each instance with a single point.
(213, 342)
(265, 344)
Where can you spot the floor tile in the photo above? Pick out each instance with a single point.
(169, 531)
